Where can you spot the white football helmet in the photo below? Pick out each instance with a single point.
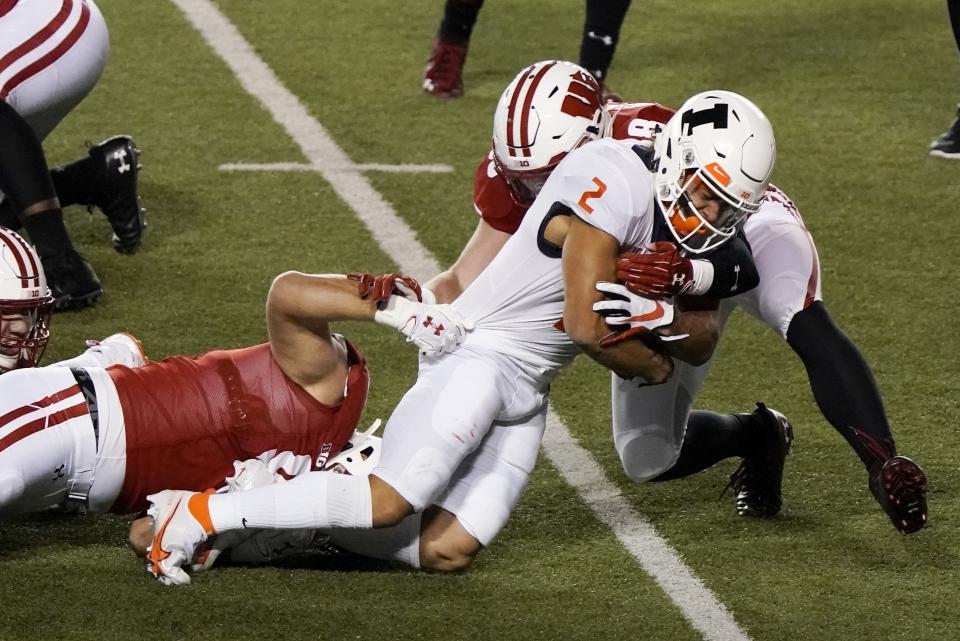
(25, 303)
(550, 109)
(721, 142)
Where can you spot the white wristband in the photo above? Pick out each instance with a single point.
(702, 277)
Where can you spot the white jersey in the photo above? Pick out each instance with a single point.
(517, 301)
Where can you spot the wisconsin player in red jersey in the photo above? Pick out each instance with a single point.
(102, 439)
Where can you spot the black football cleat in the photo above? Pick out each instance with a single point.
(759, 479)
(72, 281)
(900, 488)
(116, 192)
(948, 144)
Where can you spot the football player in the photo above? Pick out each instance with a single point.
(462, 442)
(100, 439)
(655, 432)
(52, 53)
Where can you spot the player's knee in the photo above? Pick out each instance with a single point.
(11, 487)
(141, 535)
(445, 545)
(643, 462)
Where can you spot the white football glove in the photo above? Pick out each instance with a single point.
(434, 329)
(629, 314)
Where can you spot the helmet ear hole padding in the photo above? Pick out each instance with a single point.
(548, 110)
(728, 143)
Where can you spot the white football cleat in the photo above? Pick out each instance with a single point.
(181, 522)
(118, 349)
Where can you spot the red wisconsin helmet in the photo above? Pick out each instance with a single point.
(25, 303)
(550, 109)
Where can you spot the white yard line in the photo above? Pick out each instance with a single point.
(696, 602)
(300, 166)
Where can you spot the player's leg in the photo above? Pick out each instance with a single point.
(47, 441)
(25, 180)
(443, 76)
(601, 31)
(947, 145)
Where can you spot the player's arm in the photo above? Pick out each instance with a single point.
(300, 308)
(589, 255)
(697, 318)
(485, 243)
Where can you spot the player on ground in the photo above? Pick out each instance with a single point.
(102, 439)
(52, 53)
(652, 423)
(464, 439)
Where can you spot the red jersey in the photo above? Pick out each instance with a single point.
(491, 196)
(187, 419)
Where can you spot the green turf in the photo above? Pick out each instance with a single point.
(855, 91)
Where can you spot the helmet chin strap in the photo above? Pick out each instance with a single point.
(8, 363)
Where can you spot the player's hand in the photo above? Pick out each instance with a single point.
(661, 272)
(434, 329)
(437, 329)
(629, 314)
(382, 286)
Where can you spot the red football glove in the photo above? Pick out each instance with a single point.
(381, 287)
(660, 273)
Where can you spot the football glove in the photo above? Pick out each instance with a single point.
(660, 273)
(434, 329)
(629, 314)
(381, 287)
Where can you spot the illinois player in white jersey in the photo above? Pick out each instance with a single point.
(464, 439)
(651, 424)
(52, 52)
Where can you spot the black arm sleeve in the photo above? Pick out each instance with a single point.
(842, 383)
(734, 271)
(24, 177)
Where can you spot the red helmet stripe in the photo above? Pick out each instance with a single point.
(17, 252)
(38, 39)
(524, 133)
(28, 250)
(511, 112)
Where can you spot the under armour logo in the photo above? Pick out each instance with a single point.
(121, 156)
(736, 281)
(607, 40)
(679, 279)
(59, 472)
(428, 322)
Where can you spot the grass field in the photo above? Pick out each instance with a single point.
(855, 91)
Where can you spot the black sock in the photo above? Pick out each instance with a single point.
(8, 215)
(459, 16)
(601, 30)
(709, 439)
(48, 233)
(75, 182)
(24, 177)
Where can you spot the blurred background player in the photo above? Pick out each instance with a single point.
(948, 144)
(443, 76)
(660, 436)
(52, 53)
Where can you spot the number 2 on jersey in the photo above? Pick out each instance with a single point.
(590, 195)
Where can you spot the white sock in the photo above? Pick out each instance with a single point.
(312, 500)
(400, 542)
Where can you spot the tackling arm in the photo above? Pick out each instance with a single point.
(589, 256)
(485, 243)
(300, 308)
